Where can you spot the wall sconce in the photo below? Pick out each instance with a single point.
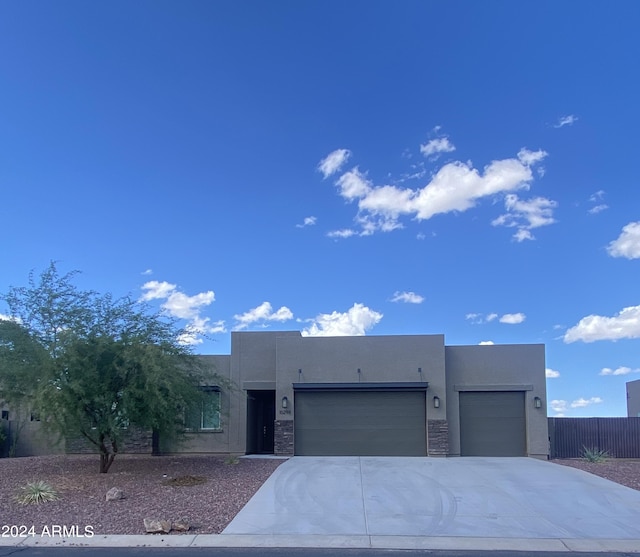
(436, 402)
(359, 371)
(285, 402)
(537, 402)
(420, 370)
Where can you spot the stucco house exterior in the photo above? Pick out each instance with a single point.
(633, 399)
(406, 395)
(400, 395)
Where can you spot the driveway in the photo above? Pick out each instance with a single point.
(450, 497)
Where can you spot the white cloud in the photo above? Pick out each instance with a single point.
(407, 297)
(156, 290)
(597, 209)
(583, 402)
(457, 186)
(4, 317)
(526, 215)
(308, 221)
(560, 406)
(628, 243)
(179, 305)
(529, 158)
(264, 312)
(475, 318)
(551, 373)
(622, 370)
(513, 318)
(354, 322)
(354, 184)
(597, 196)
(486, 343)
(510, 318)
(342, 233)
(437, 146)
(625, 324)
(182, 306)
(147, 272)
(333, 162)
(566, 121)
(199, 326)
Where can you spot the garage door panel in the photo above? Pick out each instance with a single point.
(360, 424)
(492, 424)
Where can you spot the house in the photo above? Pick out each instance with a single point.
(633, 399)
(408, 395)
(403, 395)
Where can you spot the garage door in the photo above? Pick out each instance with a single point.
(492, 424)
(360, 423)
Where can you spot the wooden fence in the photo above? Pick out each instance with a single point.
(568, 437)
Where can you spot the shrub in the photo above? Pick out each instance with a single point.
(594, 454)
(36, 493)
(232, 459)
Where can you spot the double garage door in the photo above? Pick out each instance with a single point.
(354, 423)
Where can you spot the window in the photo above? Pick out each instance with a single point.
(206, 416)
(5, 414)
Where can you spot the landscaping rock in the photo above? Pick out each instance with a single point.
(114, 494)
(182, 525)
(153, 526)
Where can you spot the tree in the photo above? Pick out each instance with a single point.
(92, 365)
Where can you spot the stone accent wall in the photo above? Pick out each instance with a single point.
(283, 443)
(438, 434)
(136, 441)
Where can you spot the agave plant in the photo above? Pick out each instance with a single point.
(594, 454)
(35, 493)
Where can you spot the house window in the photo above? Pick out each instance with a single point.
(5, 414)
(206, 416)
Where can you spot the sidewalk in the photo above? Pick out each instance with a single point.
(353, 542)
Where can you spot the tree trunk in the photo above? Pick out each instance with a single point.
(106, 455)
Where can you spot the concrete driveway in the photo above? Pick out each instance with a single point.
(449, 497)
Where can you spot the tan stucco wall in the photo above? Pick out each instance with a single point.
(512, 367)
(633, 399)
(379, 358)
(230, 400)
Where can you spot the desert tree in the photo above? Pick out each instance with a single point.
(93, 366)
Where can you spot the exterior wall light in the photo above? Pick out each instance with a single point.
(285, 402)
(436, 402)
(537, 402)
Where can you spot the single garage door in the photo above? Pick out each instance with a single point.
(352, 423)
(492, 423)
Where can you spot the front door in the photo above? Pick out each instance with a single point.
(261, 415)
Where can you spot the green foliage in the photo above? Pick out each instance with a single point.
(594, 454)
(232, 459)
(92, 365)
(35, 493)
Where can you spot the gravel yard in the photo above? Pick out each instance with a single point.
(209, 506)
(625, 471)
(146, 483)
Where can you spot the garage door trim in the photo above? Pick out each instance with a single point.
(395, 386)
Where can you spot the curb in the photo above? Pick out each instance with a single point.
(352, 542)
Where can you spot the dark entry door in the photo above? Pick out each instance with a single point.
(261, 415)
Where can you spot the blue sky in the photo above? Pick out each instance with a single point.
(465, 168)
